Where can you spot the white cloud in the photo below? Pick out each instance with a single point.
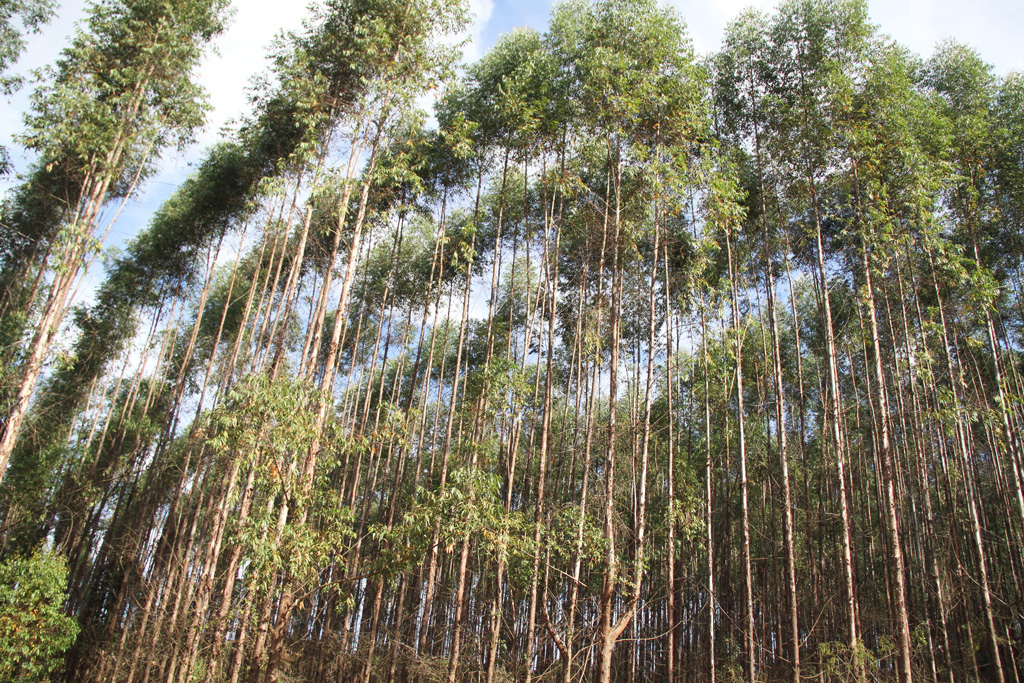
(241, 53)
(480, 13)
(992, 27)
(707, 19)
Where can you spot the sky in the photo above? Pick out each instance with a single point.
(992, 27)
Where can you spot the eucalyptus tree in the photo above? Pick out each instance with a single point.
(890, 177)
(631, 69)
(334, 82)
(818, 45)
(160, 262)
(983, 139)
(1008, 164)
(31, 15)
(119, 94)
(966, 91)
(163, 261)
(404, 59)
(507, 94)
(744, 79)
(725, 215)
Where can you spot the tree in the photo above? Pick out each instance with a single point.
(121, 92)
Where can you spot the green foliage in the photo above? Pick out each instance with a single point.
(497, 387)
(124, 87)
(468, 506)
(562, 537)
(838, 662)
(269, 426)
(723, 204)
(34, 632)
(506, 93)
(31, 14)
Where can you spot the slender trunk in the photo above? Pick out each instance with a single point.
(748, 633)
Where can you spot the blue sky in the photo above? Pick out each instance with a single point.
(993, 27)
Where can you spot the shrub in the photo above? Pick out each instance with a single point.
(34, 632)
